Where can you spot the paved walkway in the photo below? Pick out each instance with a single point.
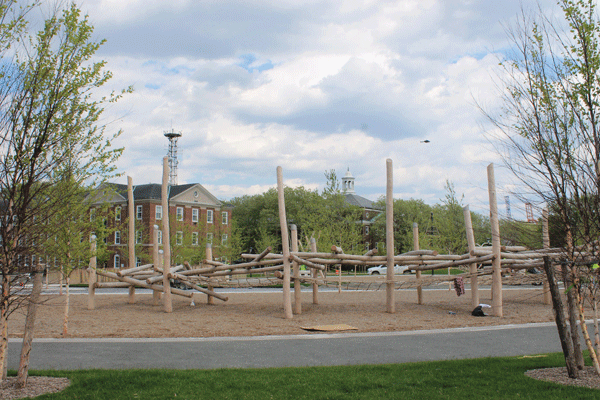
(294, 350)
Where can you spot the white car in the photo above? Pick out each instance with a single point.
(382, 270)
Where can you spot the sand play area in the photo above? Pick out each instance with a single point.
(259, 313)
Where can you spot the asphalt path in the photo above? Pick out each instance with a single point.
(289, 351)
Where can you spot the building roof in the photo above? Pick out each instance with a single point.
(356, 200)
(153, 191)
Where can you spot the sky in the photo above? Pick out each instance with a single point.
(310, 86)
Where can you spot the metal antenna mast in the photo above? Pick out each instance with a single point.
(172, 154)
(529, 213)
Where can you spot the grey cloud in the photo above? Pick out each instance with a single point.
(217, 76)
(210, 31)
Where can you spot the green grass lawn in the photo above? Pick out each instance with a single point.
(489, 378)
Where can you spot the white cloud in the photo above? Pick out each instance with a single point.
(312, 87)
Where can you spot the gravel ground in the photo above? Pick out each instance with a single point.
(36, 386)
(260, 313)
(587, 377)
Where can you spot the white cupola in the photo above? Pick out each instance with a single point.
(348, 182)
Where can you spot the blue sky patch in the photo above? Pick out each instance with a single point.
(247, 61)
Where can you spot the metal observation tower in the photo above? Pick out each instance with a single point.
(172, 154)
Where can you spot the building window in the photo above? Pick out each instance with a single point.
(194, 238)
(117, 261)
(138, 212)
(209, 216)
(179, 238)
(138, 237)
(195, 215)
(209, 238)
(92, 214)
(117, 237)
(138, 261)
(179, 213)
(224, 239)
(117, 213)
(158, 212)
(366, 230)
(159, 237)
(225, 217)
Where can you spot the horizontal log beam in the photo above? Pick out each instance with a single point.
(135, 282)
(130, 271)
(185, 280)
(454, 263)
(307, 263)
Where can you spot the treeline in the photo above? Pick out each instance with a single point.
(328, 218)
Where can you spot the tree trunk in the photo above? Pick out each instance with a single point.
(596, 328)
(4, 328)
(65, 331)
(561, 323)
(573, 316)
(29, 327)
(586, 336)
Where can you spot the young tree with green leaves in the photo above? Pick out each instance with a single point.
(50, 134)
(548, 133)
(73, 227)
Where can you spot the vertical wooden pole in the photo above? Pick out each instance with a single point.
(92, 275)
(389, 236)
(496, 266)
(155, 260)
(416, 247)
(314, 272)
(546, 244)
(167, 301)
(209, 256)
(131, 234)
(472, 267)
(296, 270)
(287, 301)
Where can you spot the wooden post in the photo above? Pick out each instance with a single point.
(287, 301)
(472, 267)
(131, 234)
(416, 247)
(92, 275)
(209, 299)
(314, 272)
(167, 300)
(496, 265)
(296, 269)
(389, 236)
(155, 260)
(546, 244)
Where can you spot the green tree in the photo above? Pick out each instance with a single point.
(406, 212)
(48, 127)
(451, 237)
(73, 227)
(547, 132)
(325, 216)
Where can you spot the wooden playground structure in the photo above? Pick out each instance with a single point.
(481, 264)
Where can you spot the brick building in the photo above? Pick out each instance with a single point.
(195, 215)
